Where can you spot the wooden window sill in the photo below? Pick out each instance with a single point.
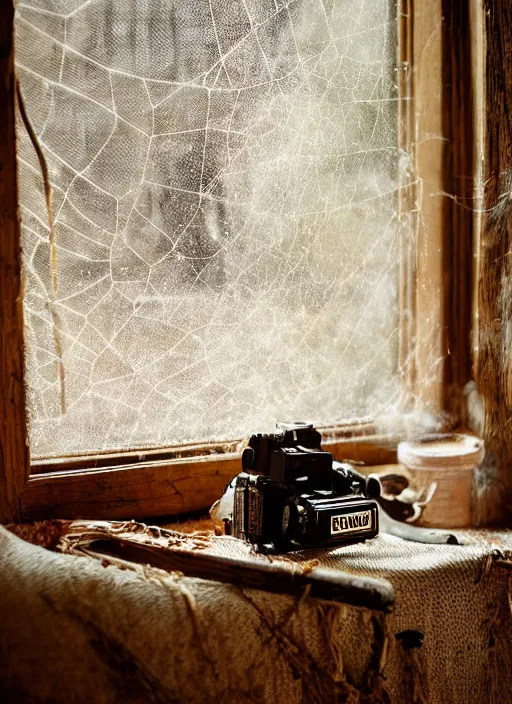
(159, 487)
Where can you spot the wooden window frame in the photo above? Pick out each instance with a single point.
(435, 138)
(492, 39)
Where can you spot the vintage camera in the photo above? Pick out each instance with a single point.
(291, 494)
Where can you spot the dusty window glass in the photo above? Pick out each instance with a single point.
(224, 183)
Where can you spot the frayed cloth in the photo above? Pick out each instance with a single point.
(76, 629)
(97, 628)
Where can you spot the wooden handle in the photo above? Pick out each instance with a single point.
(258, 573)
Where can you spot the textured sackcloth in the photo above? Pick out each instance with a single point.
(450, 633)
(74, 630)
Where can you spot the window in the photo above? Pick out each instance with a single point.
(238, 234)
(225, 181)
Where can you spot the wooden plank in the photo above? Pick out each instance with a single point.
(161, 488)
(458, 165)
(371, 451)
(121, 459)
(435, 139)
(14, 456)
(494, 362)
(427, 158)
(277, 575)
(133, 491)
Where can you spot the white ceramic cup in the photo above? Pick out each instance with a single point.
(448, 461)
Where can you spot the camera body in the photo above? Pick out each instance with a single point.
(291, 494)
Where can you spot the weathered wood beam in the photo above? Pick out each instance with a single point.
(14, 454)
(458, 165)
(435, 139)
(494, 354)
(132, 544)
(132, 491)
(159, 487)
(427, 162)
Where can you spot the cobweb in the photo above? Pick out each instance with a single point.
(224, 178)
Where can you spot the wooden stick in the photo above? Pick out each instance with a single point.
(274, 575)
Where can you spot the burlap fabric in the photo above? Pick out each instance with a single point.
(74, 629)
